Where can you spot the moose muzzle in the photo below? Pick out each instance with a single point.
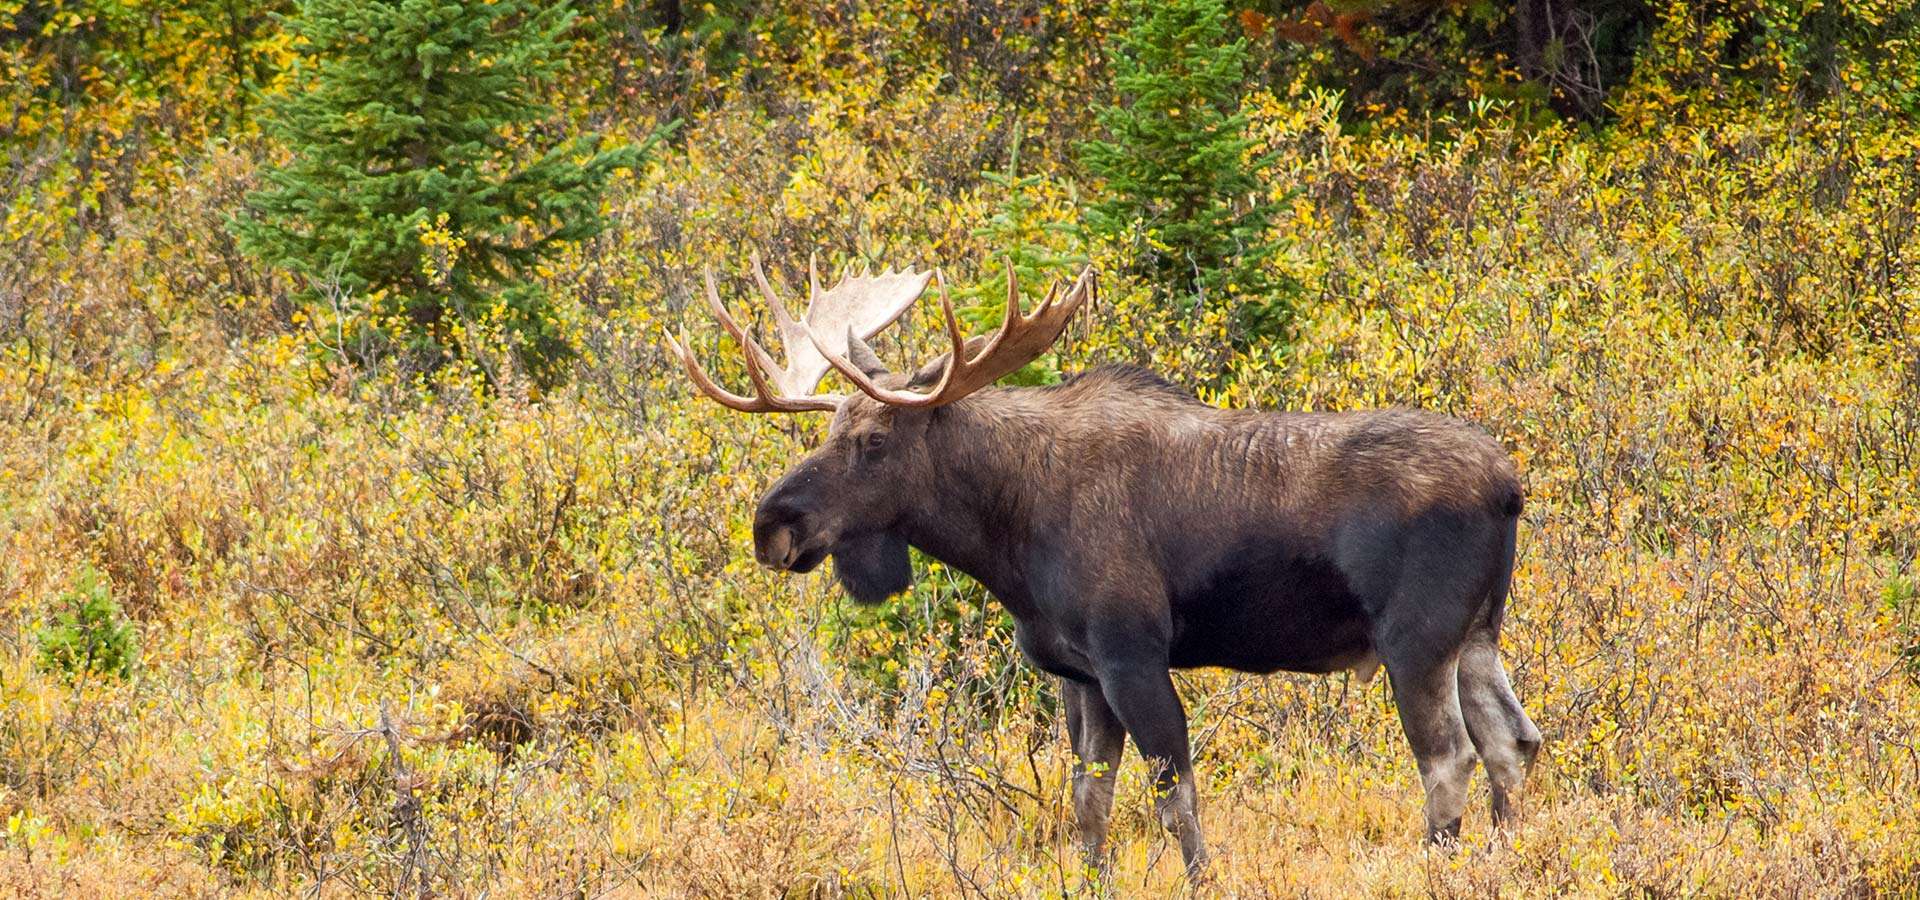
(782, 540)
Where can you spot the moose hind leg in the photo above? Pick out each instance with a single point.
(1429, 702)
(1439, 564)
(1505, 738)
(1098, 740)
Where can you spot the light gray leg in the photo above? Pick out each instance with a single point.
(1505, 738)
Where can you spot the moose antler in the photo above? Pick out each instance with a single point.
(856, 308)
(1019, 340)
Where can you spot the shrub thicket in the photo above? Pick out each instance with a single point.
(397, 638)
(1591, 60)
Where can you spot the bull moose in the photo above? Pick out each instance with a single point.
(1130, 529)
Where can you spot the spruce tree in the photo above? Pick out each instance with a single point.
(418, 189)
(1181, 192)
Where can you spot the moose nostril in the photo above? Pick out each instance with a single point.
(777, 549)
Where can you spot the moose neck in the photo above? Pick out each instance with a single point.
(988, 452)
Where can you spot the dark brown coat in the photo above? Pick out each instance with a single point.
(1130, 529)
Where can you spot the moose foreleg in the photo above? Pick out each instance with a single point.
(1097, 739)
(1147, 705)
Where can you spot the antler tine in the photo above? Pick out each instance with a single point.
(759, 363)
(1046, 303)
(1017, 341)
(1013, 295)
(813, 279)
(782, 316)
(952, 322)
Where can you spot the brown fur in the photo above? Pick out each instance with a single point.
(1130, 529)
(1128, 424)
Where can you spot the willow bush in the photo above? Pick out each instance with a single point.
(410, 631)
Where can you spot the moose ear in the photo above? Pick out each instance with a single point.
(929, 374)
(863, 356)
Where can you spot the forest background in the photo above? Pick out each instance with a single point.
(357, 536)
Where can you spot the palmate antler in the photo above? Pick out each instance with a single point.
(858, 307)
(1019, 340)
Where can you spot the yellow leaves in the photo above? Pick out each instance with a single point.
(1710, 505)
(26, 830)
(442, 250)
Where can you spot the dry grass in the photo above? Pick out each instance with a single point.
(1702, 347)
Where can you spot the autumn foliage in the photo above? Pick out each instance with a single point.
(390, 630)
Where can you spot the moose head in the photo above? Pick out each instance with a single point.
(847, 499)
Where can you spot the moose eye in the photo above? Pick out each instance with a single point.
(873, 444)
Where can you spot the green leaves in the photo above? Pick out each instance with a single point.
(1032, 232)
(88, 634)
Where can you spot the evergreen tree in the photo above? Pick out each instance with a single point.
(1181, 191)
(415, 190)
(1042, 249)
